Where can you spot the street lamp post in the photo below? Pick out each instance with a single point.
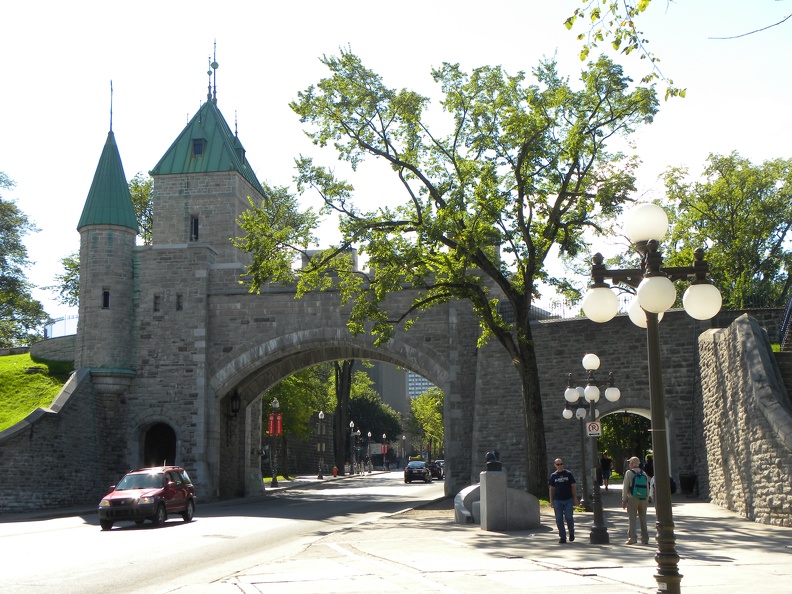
(384, 452)
(404, 449)
(580, 415)
(591, 394)
(274, 447)
(645, 225)
(368, 450)
(320, 444)
(352, 435)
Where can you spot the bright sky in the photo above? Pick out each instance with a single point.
(59, 59)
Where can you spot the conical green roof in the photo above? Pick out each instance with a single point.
(109, 202)
(207, 145)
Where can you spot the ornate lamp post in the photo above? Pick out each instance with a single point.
(352, 435)
(591, 394)
(580, 414)
(404, 449)
(368, 449)
(384, 452)
(274, 448)
(320, 445)
(645, 225)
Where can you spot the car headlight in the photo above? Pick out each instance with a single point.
(146, 500)
(104, 503)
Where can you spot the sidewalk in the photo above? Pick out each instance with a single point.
(424, 549)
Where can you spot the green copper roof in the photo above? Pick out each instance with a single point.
(219, 149)
(108, 201)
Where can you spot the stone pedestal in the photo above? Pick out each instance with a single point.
(493, 501)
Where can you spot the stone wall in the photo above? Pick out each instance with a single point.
(55, 457)
(55, 349)
(746, 418)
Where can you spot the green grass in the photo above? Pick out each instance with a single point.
(21, 393)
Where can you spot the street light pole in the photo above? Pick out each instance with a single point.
(645, 225)
(591, 394)
(320, 444)
(274, 482)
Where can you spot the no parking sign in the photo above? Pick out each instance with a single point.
(594, 429)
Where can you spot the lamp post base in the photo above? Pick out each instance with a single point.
(599, 535)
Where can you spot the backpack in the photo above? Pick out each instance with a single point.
(640, 487)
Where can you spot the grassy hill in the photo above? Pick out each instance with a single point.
(26, 384)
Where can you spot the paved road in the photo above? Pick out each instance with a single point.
(71, 554)
(423, 549)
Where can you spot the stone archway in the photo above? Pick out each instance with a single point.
(252, 373)
(159, 445)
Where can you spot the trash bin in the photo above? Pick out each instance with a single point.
(687, 483)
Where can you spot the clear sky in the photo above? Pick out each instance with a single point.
(59, 59)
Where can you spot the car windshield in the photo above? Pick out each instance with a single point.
(140, 481)
(415, 465)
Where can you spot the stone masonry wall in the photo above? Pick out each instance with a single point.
(55, 349)
(60, 448)
(747, 424)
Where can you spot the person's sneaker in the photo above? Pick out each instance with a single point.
(562, 541)
(571, 537)
(646, 542)
(629, 542)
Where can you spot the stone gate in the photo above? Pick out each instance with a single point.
(167, 337)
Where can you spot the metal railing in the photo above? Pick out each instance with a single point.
(63, 326)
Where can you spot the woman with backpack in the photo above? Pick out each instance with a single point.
(635, 493)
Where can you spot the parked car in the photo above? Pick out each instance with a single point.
(417, 470)
(435, 469)
(149, 494)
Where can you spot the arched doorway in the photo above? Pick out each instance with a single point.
(159, 445)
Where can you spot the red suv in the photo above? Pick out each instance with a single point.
(148, 494)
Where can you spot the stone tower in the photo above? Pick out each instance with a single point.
(107, 227)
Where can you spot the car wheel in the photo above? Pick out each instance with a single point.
(407, 480)
(160, 517)
(105, 524)
(187, 514)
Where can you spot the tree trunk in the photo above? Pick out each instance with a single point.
(535, 444)
(343, 387)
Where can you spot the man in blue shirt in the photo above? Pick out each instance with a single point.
(563, 498)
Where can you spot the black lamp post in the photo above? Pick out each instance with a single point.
(274, 483)
(645, 225)
(352, 435)
(591, 394)
(368, 451)
(320, 444)
(580, 414)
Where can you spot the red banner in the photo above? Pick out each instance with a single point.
(384, 448)
(279, 424)
(271, 424)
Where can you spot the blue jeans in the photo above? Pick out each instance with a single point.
(563, 511)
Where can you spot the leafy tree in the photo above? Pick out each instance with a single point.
(67, 283)
(427, 410)
(21, 316)
(615, 20)
(370, 412)
(524, 168)
(623, 436)
(742, 214)
(299, 396)
(141, 189)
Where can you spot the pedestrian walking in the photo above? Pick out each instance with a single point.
(606, 466)
(635, 493)
(563, 498)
